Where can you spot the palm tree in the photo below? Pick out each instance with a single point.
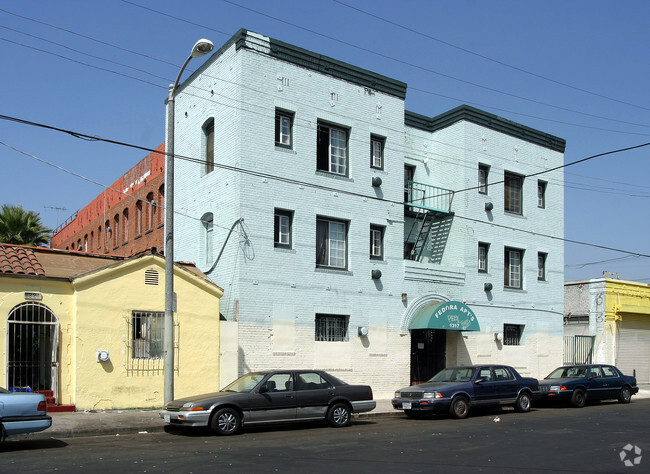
(18, 226)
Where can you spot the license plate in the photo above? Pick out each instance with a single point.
(406, 405)
(167, 419)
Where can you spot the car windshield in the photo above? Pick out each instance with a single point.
(568, 372)
(454, 374)
(245, 383)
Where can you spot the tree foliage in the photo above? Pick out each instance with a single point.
(18, 226)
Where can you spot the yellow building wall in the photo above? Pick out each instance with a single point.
(94, 313)
(622, 297)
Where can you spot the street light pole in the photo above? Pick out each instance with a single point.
(201, 48)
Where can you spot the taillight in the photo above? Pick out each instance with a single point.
(370, 394)
(42, 406)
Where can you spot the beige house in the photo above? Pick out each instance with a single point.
(87, 330)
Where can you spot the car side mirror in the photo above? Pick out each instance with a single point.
(264, 388)
(592, 376)
(479, 380)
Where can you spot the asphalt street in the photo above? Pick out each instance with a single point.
(597, 438)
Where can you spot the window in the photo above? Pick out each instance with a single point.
(311, 381)
(541, 194)
(541, 266)
(147, 337)
(483, 171)
(331, 328)
(125, 225)
(512, 193)
(86, 243)
(208, 137)
(376, 242)
(512, 268)
(331, 243)
(282, 382)
(609, 371)
(282, 228)
(512, 334)
(332, 153)
(138, 218)
(161, 205)
(152, 210)
(109, 235)
(207, 222)
(116, 230)
(483, 257)
(377, 152)
(283, 129)
(409, 174)
(502, 373)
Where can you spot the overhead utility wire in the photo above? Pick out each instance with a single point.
(412, 88)
(326, 188)
(491, 89)
(220, 79)
(487, 58)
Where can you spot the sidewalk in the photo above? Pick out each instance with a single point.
(119, 422)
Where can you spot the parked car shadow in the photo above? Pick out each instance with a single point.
(27, 444)
(475, 412)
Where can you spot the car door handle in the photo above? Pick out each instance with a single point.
(288, 396)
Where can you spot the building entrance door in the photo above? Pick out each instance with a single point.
(428, 353)
(32, 356)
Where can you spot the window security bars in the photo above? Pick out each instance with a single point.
(331, 328)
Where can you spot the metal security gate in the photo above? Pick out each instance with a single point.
(32, 348)
(633, 346)
(578, 349)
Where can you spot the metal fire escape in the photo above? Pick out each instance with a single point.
(427, 205)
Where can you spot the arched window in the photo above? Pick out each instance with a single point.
(116, 230)
(161, 204)
(208, 145)
(207, 239)
(152, 211)
(125, 225)
(108, 236)
(138, 218)
(91, 242)
(86, 243)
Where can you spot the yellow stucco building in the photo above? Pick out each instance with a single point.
(87, 330)
(616, 313)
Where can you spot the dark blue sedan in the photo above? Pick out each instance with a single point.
(455, 390)
(576, 384)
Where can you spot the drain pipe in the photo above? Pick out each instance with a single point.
(238, 221)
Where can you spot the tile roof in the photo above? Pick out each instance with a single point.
(20, 261)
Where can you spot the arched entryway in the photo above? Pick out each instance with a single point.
(32, 348)
(430, 320)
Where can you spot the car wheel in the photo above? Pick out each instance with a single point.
(339, 415)
(414, 414)
(226, 421)
(625, 396)
(523, 402)
(579, 398)
(459, 407)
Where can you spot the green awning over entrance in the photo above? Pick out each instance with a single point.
(452, 315)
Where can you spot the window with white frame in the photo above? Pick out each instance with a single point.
(512, 277)
(282, 228)
(283, 128)
(512, 192)
(331, 243)
(377, 152)
(208, 149)
(541, 266)
(483, 257)
(332, 151)
(376, 242)
(541, 194)
(512, 334)
(331, 328)
(483, 171)
(147, 334)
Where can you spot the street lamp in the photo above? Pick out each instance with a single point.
(202, 47)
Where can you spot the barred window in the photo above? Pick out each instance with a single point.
(512, 334)
(147, 334)
(331, 328)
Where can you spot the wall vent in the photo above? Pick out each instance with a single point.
(151, 277)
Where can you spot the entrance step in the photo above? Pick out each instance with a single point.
(61, 408)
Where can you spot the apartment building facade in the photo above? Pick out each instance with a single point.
(354, 236)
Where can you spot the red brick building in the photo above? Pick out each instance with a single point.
(124, 220)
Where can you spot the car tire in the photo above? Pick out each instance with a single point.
(414, 414)
(579, 398)
(626, 395)
(339, 415)
(226, 421)
(522, 404)
(459, 407)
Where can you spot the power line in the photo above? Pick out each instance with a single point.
(311, 185)
(487, 58)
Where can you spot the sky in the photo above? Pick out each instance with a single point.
(578, 70)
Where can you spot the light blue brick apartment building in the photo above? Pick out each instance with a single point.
(378, 244)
